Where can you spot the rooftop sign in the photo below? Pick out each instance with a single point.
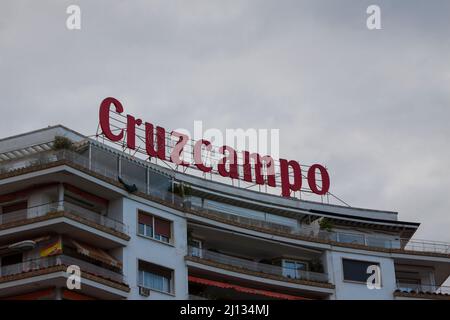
(253, 168)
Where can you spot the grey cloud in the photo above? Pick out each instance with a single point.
(372, 105)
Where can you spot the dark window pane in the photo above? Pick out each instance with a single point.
(355, 270)
(11, 259)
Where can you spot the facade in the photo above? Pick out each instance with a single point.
(138, 230)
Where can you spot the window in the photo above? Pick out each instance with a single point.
(155, 277)
(11, 259)
(196, 248)
(13, 212)
(18, 206)
(154, 227)
(355, 270)
(293, 269)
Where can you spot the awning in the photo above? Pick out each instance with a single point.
(260, 292)
(96, 254)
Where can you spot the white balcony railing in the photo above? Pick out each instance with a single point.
(60, 260)
(374, 241)
(257, 266)
(423, 288)
(44, 209)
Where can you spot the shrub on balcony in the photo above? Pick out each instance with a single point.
(326, 224)
(62, 143)
(182, 190)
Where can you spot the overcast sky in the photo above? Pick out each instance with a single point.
(373, 106)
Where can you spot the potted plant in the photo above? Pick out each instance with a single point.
(326, 224)
(62, 143)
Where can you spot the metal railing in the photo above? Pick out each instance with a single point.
(257, 266)
(374, 241)
(60, 260)
(423, 288)
(63, 206)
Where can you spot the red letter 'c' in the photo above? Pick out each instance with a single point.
(104, 118)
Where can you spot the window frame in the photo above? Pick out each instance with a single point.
(199, 247)
(295, 261)
(368, 275)
(171, 291)
(153, 235)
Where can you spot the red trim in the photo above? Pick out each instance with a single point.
(244, 289)
(36, 295)
(71, 295)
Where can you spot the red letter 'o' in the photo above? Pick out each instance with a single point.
(312, 179)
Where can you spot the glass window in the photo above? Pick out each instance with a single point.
(154, 227)
(355, 270)
(196, 248)
(293, 269)
(351, 238)
(155, 277)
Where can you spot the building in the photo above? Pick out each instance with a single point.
(138, 230)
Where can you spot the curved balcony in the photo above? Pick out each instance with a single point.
(51, 271)
(45, 158)
(257, 268)
(426, 291)
(37, 215)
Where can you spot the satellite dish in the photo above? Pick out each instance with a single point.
(23, 245)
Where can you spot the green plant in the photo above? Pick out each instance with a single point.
(62, 143)
(316, 266)
(326, 224)
(182, 190)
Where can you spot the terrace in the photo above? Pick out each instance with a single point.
(63, 209)
(255, 267)
(157, 186)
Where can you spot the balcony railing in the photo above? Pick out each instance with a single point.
(371, 241)
(340, 237)
(60, 260)
(423, 288)
(257, 266)
(64, 206)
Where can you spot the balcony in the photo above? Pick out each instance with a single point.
(422, 290)
(257, 268)
(65, 210)
(49, 158)
(31, 273)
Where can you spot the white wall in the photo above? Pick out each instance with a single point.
(350, 290)
(169, 256)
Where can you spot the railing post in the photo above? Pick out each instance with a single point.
(60, 197)
(90, 156)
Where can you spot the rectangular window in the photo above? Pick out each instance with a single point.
(196, 248)
(16, 207)
(11, 259)
(154, 227)
(355, 270)
(293, 269)
(155, 277)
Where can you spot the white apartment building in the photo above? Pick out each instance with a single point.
(138, 230)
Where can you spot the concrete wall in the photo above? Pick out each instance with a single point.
(169, 256)
(351, 290)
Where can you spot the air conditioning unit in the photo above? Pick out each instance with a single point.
(145, 292)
